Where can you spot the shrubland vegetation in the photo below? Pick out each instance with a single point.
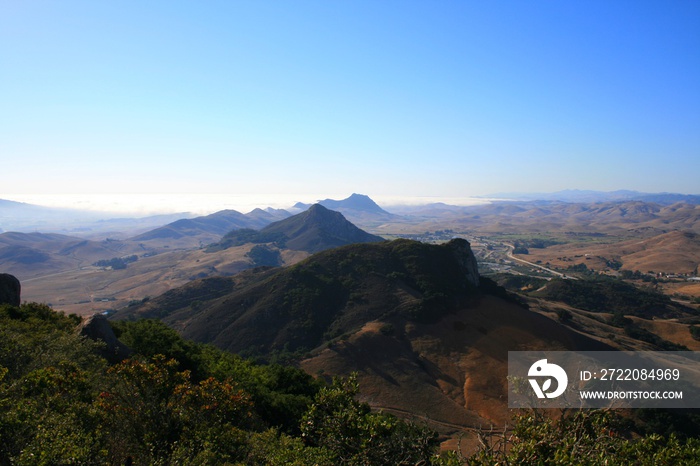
(583, 437)
(262, 255)
(116, 263)
(603, 294)
(338, 275)
(519, 283)
(597, 293)
(243, 236)
(178, 402)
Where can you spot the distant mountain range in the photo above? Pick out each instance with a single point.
(23, 217)
(576, 195)
(210, 228)
(358, 208)
(607, 217)
(357, 202)
(66, 270)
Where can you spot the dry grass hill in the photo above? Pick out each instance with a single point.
(623, 219)
(675, 252)
(29, 255)
(451, 373)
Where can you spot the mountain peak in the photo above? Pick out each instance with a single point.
(313, 230)
(319, 228)
(320, 211)
(359, 202)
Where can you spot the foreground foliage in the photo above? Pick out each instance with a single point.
(61, 403)
(179, 403)
(583, 437)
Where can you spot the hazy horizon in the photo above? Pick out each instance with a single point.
(202, 204)
(120, 102)
(140, 205)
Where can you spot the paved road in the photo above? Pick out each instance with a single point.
(553, 272)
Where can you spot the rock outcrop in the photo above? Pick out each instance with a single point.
(9, 289)
(97, 328)
(466, 260)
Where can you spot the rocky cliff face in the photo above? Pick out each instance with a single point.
(465, 258)
(9, 289)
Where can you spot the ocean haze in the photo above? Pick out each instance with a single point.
(202, 204)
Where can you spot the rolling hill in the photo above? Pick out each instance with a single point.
(199, 231)
(27, 255)
(428, 338)
(673, 252)
(581, 196)
(619, 218)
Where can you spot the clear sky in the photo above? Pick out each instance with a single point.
(316, 99)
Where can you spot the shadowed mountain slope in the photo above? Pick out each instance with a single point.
(322, 297)
(317, 229)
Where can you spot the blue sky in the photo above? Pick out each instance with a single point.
(445, 99)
